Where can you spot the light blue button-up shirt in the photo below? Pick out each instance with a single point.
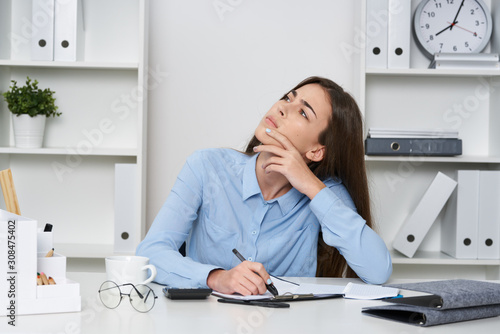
(216, 205)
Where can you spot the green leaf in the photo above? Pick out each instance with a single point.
(30, 99)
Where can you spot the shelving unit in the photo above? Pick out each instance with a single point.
(72, 65)
(103, 99)
(432, 72)
(62, 151)
(418, 97)
(438, 258)
(457, 159)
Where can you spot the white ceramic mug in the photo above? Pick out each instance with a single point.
(130, 269)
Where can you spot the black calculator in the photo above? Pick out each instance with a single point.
(186, 293)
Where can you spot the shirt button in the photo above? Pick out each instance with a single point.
(254, 232)
(250, 259)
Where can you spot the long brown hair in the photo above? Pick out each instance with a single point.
(344, 159)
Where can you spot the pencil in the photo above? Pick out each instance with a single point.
(50, 253)
(38, 279)
(45, 281)
(9, 191)
(51, 281)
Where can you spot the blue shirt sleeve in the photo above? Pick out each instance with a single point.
(171, 228)
(344, 229)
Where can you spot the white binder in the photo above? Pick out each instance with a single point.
(125, 209)
(414, 229)
(42, 26)
(69, 39)
(489, 215)
(376, 33)
(460, 223)
(399, 32)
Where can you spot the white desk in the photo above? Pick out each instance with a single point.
(208, 316)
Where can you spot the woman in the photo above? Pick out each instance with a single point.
(296, 204)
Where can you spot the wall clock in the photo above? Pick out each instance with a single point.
(454, 26)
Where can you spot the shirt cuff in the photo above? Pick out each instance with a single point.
(200, 276)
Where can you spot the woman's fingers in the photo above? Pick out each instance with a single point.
(244, 279)
(253, 282)
(286, 144)
(281, 139)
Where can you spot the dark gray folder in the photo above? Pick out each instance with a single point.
(413, 146)
(445, 302)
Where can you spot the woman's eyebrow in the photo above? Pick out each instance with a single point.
(294, 93)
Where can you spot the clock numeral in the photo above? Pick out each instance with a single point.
(431, 14)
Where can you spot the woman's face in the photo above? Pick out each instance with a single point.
(301, 117)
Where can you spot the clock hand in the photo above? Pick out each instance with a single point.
(472, 32)
(456, 16)
(454, 20)
(448, 27)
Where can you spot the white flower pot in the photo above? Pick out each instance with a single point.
(28, 131)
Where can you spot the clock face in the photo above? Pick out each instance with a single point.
(455, 26)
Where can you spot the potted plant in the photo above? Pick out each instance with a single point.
(30, 106)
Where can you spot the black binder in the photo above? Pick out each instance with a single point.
(445, 302)
(413, 146)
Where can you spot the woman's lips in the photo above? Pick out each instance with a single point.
(270, 121)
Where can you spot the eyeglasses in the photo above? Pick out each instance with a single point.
(142, 297)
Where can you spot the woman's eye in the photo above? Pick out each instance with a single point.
(287, 99)
(303, 113)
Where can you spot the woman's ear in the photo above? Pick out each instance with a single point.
(317, 154)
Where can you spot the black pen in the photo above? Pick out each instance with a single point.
(262, 303)
(269, 284)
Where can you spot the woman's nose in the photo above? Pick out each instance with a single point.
(283, 110)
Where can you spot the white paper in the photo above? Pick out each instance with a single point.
(367, 291)
(285, 288)
(411, 133)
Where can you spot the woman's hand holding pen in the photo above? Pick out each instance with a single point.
(247, 278)
(289, 162)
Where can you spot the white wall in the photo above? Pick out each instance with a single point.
(222, 63)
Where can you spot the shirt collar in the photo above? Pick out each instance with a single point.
(251, 187)
(250, 184)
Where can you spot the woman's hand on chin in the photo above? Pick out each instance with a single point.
(289, 162)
